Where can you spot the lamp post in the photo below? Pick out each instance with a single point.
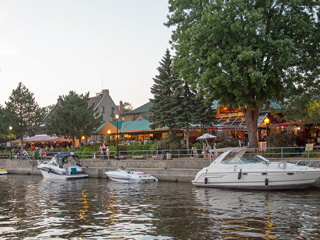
(267, 121)
(109, 132)
(10, 128)
(117, 117)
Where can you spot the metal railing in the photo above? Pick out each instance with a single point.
(282, 153)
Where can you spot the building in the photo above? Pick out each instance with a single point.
(102, 101)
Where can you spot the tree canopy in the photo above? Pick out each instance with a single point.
(23, 112)
(73, 118)
(246, 53)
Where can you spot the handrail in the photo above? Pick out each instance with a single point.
(282, 153)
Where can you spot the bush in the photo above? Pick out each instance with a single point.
(281, 140)
(227, 143)
(311, 154)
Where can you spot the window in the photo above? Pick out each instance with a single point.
(102, 109)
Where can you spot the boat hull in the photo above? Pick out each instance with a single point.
(130, 176)
(53, 175)
(258, 180)
(3, 172)
(129, 180)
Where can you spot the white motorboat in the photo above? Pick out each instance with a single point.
(62, 166)
(254, 172)
(3, 171)
(129, 175)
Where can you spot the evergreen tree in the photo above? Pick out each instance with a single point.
(23, 112)
(184, 108)
(73, 118)
(164, 95)
(247, 53)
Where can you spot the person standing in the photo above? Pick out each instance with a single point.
(44, 154)
(158, 153)
(108, 152)
(103, 151)
(40, 153)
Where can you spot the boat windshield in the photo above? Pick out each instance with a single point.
(70, 160)
(53, 161)
(243, 160)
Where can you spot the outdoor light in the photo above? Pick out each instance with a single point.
(10, 128)
(117, 117)
(109, 132)
(266, 120)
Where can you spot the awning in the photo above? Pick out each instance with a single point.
(234, 122)
(43, 138)
(287, 124)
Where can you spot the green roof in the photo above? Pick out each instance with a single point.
(99, 128)
(142, 109)
(114, 123)
(135, 125)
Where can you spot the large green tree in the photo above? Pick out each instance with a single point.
(73, 118)
(164, 94)
(303, 109)
(23, 112)
(246, 53)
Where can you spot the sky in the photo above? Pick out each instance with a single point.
(54, 46)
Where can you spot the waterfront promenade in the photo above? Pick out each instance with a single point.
(176, 170)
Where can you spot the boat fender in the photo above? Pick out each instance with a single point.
(240, 174)
(282, 165)
(266, 182)
(205, 180)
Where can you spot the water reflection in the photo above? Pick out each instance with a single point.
(268, 215)
(34, 208)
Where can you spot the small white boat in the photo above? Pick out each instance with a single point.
(254, 172)
(3, 171)
(129, 175)
(62, 166)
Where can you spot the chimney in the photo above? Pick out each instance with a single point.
(105, 92)
(121, 107)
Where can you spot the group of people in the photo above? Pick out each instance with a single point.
(105, 152)
(206, 151)
(23, 153)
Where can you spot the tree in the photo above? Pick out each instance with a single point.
(23, 112)
(164, 93)
(246, 53)
(302, 108)
(127, 107)
(73, 118)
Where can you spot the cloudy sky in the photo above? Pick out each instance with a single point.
(54, 46)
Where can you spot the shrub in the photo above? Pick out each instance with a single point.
(227, 143)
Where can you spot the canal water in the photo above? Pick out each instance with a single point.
(34, 208)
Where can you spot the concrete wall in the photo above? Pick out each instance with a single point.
(164, 170)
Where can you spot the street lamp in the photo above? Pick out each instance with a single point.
(266, 121)
(117, 117)
(109, 132)
(10, 128)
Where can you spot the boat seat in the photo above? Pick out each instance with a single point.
(73, 171)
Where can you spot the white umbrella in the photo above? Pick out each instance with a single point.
(206, 136)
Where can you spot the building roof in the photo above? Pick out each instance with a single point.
(95, 101)
(142, 109)
(273, 105)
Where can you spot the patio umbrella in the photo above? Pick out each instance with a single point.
(94, 142)
(206, 136)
